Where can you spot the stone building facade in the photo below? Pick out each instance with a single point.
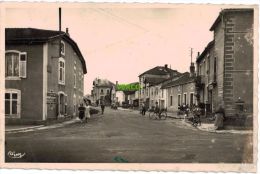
(232, 54)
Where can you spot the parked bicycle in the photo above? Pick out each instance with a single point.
(161, 114)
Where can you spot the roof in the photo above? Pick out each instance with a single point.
(205, 51)
(104, 83)
(184, 79)
(40, 36)
(218, 19)
(154, 80)
(159, 70)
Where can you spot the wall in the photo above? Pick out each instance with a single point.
(238, 60)
(32, 86)
(219, 54)
(71, 60)
(180, 89)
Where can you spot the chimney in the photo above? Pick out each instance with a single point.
(67, 31)
(59, 19)
(198, 54)
(165, 66)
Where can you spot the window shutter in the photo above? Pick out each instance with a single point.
(18, 104)
(23, 64)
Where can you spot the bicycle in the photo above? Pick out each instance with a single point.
(162, 114)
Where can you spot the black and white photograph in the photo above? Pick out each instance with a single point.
(122, 84)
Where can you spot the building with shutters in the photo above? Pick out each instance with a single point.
(44, 75)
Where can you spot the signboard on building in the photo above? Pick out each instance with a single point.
(51, 98)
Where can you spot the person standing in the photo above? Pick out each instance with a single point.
(81, 110)
(143, 109)
(102, 106)
(87, 112)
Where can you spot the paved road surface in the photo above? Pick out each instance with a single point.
(124, 136)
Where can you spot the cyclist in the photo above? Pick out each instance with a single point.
(157, 109)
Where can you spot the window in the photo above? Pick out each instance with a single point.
(62, 48)
(156, 91)
(74, 105)
(162, 93)
(61, 71)
(185, 98)
(101, 91)
(215, 68)
(171, 101)
(179, 99)
(66, 105)
(107, 91)
(15, 64)
(75, 77)
(62, 101)
(191, 99)
(12, 103)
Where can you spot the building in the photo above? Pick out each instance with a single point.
(233, 56)
(181, 90)
(127, 94)
(103, 90)
(150, 84)
(44, 75)
(207, 76)
(131, 95)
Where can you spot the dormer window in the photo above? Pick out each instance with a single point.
(62, 48)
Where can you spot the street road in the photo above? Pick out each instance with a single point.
(126, 136)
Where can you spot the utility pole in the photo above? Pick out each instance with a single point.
(191, 51)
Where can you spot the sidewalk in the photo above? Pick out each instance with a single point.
(206, 127)
(29, 128)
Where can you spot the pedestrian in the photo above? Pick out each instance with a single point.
(102, 104)
(81, 110)
(219, 117)
(87, 112)
(143, 109)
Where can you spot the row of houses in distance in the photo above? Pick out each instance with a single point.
(105, 90)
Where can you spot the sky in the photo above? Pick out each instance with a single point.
(121, 42)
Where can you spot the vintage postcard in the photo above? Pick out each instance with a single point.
(129, 86)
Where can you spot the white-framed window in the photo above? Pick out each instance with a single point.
(61, 71)
(171, 101)
(191, 98)
(179, 99)
(15, 64)
(162, 93)
(185, 98)
(62, 48)
(12, 103)
(62, 103)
